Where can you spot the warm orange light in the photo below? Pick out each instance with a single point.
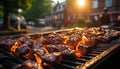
(45, 64)
(38, 59)
(84, 39)
(56, 17)
(81, 2)
(14, 47)
(79, 51)
(66, 39)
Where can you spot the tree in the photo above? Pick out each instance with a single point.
(1, 9)
(39, 9)
(14, 5)
(11, 6)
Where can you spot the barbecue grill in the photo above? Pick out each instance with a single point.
(92, 59)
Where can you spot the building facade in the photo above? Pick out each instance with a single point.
(92, 12)
(57, 14)
(97, 9)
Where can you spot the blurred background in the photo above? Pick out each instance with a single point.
(45, 15)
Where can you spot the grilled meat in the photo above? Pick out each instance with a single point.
(52, 48)
(41, 51)
(40, 43)
(28, 65)
(23, 50)
(54, 57)
(48, 56)
(29, 42)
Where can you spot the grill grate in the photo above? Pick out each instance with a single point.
(90, 58)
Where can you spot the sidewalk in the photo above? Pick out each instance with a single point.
(31, 29)
(9, 32)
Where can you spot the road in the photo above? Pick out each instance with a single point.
(31, 29)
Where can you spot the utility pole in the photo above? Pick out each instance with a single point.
(6, 15)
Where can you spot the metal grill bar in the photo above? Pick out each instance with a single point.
(91, 57)
(49, 68)
(71, 62)
(67, 66)
(97, 58)
(86, 57)
(96, 52)
(91, 54)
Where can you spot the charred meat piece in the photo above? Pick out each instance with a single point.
(44, 41)
(35, 36)
(3, 42)
(54, 39)
(76, 52)
(93, 41)
(103, 39)
(114, 34)
(37, 45)
(52, 48)
(46, 56)
(41, 51)
(62, 47)
(73, 40)
(90, 42)
(69, 52)
(27, 65)
(23, 51)
(9, 43)
(80, 50)
(23, 39)
(29, 42)
(54, 57)
(40, 43)
(66, 51)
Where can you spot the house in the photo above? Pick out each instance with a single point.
(92, 11)
(97, 9)
(57, 13)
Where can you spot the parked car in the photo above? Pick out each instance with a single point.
(30, 23)
(40, 23)
(1, 23)
(14, 21)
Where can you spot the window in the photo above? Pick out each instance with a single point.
(62, 15)
(108, 3)
(96, 18)
(63, 6)
(95, 4)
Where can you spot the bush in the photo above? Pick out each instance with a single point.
(80, 22)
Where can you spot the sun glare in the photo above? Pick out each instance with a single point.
(81, 2)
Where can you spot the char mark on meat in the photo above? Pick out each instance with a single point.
(52, 48)
(23, 51)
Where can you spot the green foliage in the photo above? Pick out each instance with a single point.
(1, 9)
(80, 22)
(9, 7)
(39, 9)
(1, 15)
(14, 5)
